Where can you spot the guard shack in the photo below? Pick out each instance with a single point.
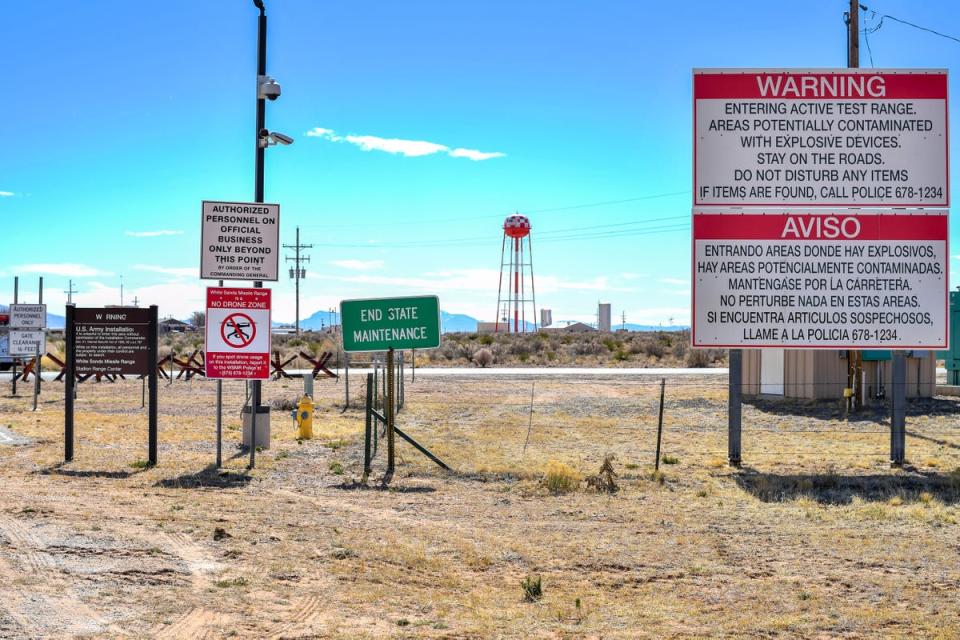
(822, 374)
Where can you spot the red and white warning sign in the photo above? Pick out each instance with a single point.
(238, 333)
(820, 278)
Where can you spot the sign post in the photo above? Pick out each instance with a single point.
(27, 337)
(237, 344)
(389, 324)
(845, 278)
(116, 341)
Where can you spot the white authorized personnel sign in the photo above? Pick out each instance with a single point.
(820, 278)
(28, 316)
(820, 137)
(26, 343)
(239, 241)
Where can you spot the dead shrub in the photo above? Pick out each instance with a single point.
(605, 481)
(483, 358)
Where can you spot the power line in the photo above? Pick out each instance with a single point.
(884, 16)
(408, 222)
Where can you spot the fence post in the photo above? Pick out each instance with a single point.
(656, 462)
(391, 450)
(366, 430)
(734, 407)
(898, 417)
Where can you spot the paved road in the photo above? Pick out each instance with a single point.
(501, 371)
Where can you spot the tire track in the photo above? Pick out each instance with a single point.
(300, 616)
(196, 624)
(26, 544)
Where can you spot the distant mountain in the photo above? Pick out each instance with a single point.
(320, 320)
(457, 322)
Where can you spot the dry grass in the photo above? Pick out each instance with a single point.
(818, 537)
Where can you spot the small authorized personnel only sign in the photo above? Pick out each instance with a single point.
(238, 333)
(820, 278)
(239, 241)
(820, 137)
(28, 316)
(378, 324)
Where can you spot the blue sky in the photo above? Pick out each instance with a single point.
(120, 117)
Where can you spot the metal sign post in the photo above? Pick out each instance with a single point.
(114, 341)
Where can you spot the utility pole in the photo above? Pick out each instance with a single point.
(623, 320)
(121, 289)
(70, 291)
(136, 301)
(854, 358)
(297, 272)
(259, 144)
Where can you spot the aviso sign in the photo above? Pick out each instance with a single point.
(820, 278)
(822, 137)
(379, 324)
(239, 241)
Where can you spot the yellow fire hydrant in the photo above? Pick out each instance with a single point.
(305, 418)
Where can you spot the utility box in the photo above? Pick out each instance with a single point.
(951, 357)
(263, 427)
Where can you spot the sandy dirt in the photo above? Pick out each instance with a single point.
(815, 537)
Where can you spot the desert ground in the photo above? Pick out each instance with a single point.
(815, 537)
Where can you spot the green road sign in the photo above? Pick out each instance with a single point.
(377, 324)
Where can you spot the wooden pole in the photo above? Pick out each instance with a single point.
(391, 382)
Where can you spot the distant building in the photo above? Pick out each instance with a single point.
(817, 374)
(487, 327)
(546, 318)
(573, 327)
(603, 316)
(172, 325)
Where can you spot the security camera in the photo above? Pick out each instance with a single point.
(267, 88)
(281, 138)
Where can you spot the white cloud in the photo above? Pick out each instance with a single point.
(358, 265)
(408, 148)
(6, 194)
(399, 146)
(153, 234)
(63, 269)
(682, 282)
(180, 272)
(473, 154)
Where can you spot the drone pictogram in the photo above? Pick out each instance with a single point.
(238, 330)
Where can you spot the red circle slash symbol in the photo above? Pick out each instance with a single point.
(238, 330)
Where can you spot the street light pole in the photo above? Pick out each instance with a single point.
(255, 390)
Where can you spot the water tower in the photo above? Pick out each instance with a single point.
(516, 266)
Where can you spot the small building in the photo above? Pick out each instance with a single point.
(603, 316)
(487, 327)
(816, 374)
(172, 325)
(546, 317)
(573, 327)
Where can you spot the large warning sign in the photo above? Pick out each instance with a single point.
(239, 241)
(113, 340)
(238, 333)
(825, 137)
(820, 278)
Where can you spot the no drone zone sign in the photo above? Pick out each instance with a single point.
(238, 333)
